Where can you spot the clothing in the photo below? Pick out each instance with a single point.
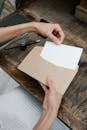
(7, 7)
(19, 110)
(7, 83)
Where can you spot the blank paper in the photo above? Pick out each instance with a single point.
(62, 55)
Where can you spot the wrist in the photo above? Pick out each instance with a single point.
(35, 26)
(49, 117)
(28, 27)
(52, 112)
(46, 120)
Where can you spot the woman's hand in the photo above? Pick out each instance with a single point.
(51, 106)
(52, 98)
(52, 31)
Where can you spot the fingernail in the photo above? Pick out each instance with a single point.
(58, 43)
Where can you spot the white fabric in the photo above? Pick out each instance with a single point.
(7, 83)
(19, 110)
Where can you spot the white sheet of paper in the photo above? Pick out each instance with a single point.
(62, 55)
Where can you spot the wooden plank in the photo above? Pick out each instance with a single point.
(74, 104)
(73, 109)
(83, 3)
(81, 11)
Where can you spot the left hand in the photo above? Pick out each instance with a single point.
(52, 31)
(52, 98)
(51, 106)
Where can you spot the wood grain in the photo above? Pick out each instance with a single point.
(73, 110)
(83, 3)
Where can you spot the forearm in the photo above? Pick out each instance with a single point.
(7, 33)
(46, 120)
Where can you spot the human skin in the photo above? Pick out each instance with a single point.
(51, 106)
(52, 98)
(51, 31)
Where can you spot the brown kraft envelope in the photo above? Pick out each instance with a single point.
(38, 68)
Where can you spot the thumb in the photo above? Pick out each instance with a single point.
(50, 83)
(54, 38)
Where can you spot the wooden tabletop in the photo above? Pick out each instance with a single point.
(73, 109)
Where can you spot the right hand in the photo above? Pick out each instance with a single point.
(49, 30)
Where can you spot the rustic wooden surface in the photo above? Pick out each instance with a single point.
(73, 110)
(83, 3)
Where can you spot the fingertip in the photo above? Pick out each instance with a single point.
(57, 42)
